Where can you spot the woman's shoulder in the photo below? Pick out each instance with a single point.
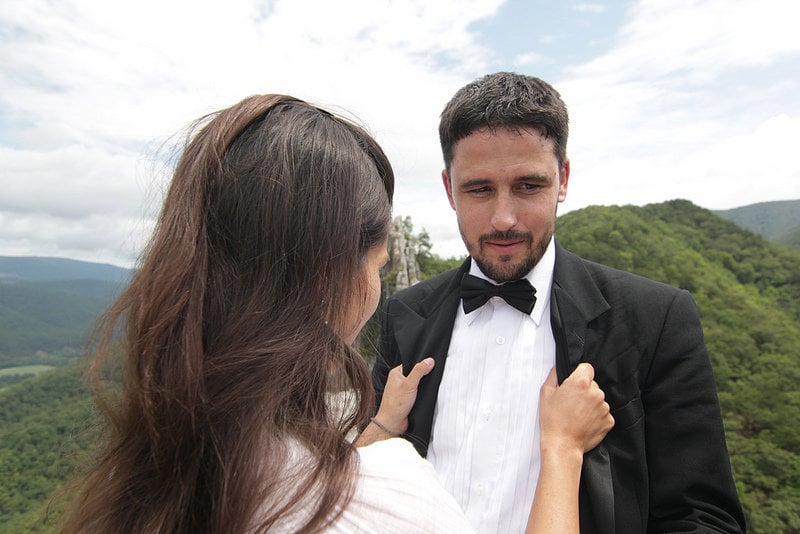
(395, 454)
(393, 464)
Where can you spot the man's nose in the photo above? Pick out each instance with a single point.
(504, 216)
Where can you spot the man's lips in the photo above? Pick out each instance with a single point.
(504, 245)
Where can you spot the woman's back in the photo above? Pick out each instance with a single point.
(232, 329)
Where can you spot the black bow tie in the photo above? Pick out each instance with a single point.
(475, 292)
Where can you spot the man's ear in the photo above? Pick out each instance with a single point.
(448, 186)
(563, 181)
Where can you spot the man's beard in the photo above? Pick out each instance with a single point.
(504, 269)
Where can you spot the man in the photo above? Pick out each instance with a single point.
(664, 466)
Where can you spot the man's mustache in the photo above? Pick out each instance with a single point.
(510, 235)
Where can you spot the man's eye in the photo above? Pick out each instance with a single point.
(530, 187)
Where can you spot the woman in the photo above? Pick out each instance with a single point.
(263, 267)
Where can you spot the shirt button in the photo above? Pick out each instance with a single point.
(487, 413)
(479, 488)
(500, 340)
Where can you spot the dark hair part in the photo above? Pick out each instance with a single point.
(230, 340)
(504, 100)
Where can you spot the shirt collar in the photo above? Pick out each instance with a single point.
(540, 277)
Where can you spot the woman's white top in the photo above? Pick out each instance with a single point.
(397, 491)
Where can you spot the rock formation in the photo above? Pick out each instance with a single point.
(403, 250)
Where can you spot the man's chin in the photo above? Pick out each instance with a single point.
(504, 268)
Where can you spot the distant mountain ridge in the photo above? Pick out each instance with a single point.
(778, 221)
(49, 305)
(46, 268)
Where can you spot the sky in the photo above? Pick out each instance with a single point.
(692, 99)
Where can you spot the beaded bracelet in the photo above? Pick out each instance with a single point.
(380, 425)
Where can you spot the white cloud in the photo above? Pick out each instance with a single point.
(700, 37)
(589, 8)
(99, 182)
(98, 84)
(725, 172)
(689, 101)
(692, 102)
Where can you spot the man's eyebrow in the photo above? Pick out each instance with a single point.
(475, 182)
(532, 178)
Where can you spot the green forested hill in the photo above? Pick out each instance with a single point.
(48, 305)
(46, 427)
(40, 320)
(748, 292)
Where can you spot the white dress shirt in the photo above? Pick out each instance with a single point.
(485, 438)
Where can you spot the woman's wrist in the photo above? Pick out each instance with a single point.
(392, 421)
(384, 428)
(561, 452)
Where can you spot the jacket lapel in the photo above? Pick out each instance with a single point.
(575, 302)
(424, 329)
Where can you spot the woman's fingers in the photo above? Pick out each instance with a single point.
(400, 394)
(575, 413)
(583, 374)
(418, 371)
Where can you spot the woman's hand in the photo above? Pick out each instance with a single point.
(399, 396)
(573, 416)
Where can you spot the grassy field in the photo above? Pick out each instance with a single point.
(25, 370)
(13, 375)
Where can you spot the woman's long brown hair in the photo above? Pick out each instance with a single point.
(229, 330)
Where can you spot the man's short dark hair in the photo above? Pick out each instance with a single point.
(504, 100)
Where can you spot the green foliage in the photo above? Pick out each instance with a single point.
(57, 358)
(748, 293)
(48, 306)
(47, 322)
(430, 264)
(433, 265)
(46, 427)
(15, 375)
(16, 378)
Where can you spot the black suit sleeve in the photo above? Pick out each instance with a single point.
(691, 486)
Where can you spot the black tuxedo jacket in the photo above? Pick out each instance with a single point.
(664, 466)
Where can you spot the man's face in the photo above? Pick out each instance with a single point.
(505, 186)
